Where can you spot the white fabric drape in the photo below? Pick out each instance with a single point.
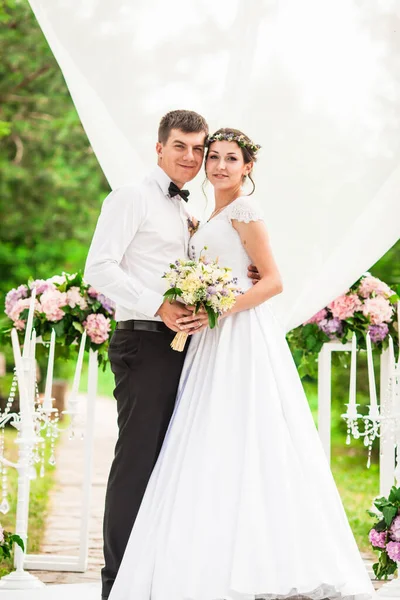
(316, 83)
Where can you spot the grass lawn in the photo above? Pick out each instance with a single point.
(357, 485)
(39, 504)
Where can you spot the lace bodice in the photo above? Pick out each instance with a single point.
(223, 241)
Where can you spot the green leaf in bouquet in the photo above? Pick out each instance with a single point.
(24, 314)
(17, 540)
(95, 305)
(394, 495)
(78, 326)
(381, 525)
(384, 567)
(212, 317)
(381, 502)
(394, 299)
(59, 328)
(376, 567)
(173, 292)
(371, 513)
(75, 281)
(311, 341)
(389, 513)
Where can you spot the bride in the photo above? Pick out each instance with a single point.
(241, 504)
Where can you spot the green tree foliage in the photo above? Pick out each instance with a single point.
(51, 185)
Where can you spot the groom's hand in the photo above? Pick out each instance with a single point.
(253, 274)
(170, 312)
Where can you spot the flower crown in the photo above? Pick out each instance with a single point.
(231, 137)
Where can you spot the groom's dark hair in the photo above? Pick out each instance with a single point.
(185, 120)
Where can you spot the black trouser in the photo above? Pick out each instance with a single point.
(146, 374)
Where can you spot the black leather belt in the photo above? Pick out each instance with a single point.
(136, 325)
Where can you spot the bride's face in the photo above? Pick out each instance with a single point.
(225, 167)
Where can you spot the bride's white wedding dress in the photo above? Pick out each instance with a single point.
(241, 504)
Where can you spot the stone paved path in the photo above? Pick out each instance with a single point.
(61, 536)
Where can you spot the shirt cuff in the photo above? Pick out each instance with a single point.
(149, 302)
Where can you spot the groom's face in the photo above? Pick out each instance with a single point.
(182, 155)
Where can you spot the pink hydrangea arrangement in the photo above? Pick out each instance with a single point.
(369, 306)
(385, 534)
(67, 304)
(7, 541)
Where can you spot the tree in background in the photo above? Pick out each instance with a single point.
(50, 182)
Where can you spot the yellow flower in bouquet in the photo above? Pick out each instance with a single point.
(202, 284)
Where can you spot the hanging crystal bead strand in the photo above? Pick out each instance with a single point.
(53, 437)
(11, 397)
(4, 506)
(42, 448)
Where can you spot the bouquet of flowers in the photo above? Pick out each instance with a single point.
(385, 534)
(202, 284)
(67, 304)
(7, 540)
(369, 306)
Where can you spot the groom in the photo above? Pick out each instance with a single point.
(141, 230)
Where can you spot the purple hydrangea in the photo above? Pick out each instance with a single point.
(378, 332)
(107, 304)
(394, 530)
(41, 286)
(332, 327)
(13, 296)
(211, 290)
(393, 550)
(377, 538)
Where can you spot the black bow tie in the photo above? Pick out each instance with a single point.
(173, 190)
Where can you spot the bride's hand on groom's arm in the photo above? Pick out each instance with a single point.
(170, 312)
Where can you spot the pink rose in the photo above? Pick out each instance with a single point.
(1, 534)
(345, 306)
(74, 298)
(97, 328)
(319, 316)
(372, 285)
(378, 309)
(51, 302)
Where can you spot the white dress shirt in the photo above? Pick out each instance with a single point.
(140, 231)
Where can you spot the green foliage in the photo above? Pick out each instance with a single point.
(50, 182)
(388, 508)
(306, 341)
(7, 545)
(384, 567)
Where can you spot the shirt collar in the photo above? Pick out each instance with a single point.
(162, 179)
